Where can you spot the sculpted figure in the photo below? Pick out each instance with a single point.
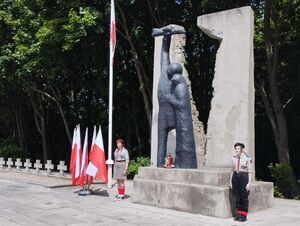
(185, 142)
(174, 106)
(166, 114)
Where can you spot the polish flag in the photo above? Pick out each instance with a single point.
(78, 154)
(97, 165)
(112, 29)
(90, 178)
(73, 158)
(84, 160)
(94, 137)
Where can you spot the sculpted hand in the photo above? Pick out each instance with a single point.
(171, 29)
(167, 31)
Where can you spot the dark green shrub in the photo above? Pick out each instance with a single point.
(134, 165)
(283, 180)
(277, 193)
(9, 149)
(297, 197)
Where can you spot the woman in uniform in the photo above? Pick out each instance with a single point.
(240, 181)
(120, 167)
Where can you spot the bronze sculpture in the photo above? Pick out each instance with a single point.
(174, 106)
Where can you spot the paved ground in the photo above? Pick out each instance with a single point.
(26, 203)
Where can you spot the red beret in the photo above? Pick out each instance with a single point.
(120, 140)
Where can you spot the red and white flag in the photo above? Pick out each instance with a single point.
(78, 154)
(84, 160)
(97, 165)
(73, 158)
(90, 178)
(75, 172)
(112, 38)
(94, 137)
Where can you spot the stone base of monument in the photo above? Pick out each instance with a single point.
(203, 191)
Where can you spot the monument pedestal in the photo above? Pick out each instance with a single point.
(203, 191)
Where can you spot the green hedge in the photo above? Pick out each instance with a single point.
(134, 165)
(283, 180)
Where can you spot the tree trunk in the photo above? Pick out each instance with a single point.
(137, 65)
(20, 135)
(137, 132)
(20, 129)
(44, 139)
(280, 130)
(268, 107)
(39, 116)
(276, 113)
(63, 116)
(299, 75)
(56, 99)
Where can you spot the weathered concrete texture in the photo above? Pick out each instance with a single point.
(231, 118)
(177, 55)
(205, 176)
(203, 191)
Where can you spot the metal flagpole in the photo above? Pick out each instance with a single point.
(109, 161)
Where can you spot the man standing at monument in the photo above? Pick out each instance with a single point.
(240, 181)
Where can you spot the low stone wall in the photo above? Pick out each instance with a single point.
(38, 167)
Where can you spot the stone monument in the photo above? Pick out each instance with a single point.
(231, 118)
(206, 190)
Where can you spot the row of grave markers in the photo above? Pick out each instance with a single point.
(61, 167)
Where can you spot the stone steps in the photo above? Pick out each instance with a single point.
(205, 176)
(203, 191)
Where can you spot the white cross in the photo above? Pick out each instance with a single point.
(37, 165)
(61, 167)
(9, 163)
(18, 163)
(27, 164)
(49, 166)
(2, 162)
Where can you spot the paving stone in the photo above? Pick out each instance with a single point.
(24, 203)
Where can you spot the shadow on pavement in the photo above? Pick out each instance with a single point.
(100, 192)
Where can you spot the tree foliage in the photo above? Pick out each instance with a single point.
(54, 71)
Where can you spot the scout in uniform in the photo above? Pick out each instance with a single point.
(240, 181)
(120, 168)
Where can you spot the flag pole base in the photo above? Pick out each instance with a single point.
(110, 163)
(85, 192)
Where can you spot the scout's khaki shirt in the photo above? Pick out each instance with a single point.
(121, 155)
(243, 163)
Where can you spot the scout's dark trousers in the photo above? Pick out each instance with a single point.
(239, 182)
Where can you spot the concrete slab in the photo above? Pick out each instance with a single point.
(205, 176)
(203, 191)
(41, 178)
(21, 201)
(231, 118)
